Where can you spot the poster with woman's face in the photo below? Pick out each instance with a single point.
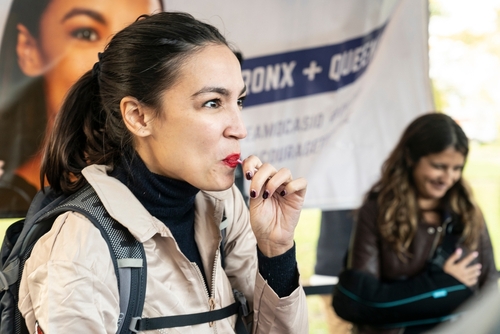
(46, 45)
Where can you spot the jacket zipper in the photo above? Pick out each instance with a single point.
(210, 295)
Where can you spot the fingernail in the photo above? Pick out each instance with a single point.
(248, 175)
(283, 193)
(253, 194)
(265, 194)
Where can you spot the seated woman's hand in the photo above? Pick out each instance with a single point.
(463, 270)
(276, 200)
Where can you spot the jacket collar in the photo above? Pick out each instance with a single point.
(122, 205)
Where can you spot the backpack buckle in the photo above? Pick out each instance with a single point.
(133, 324)
(243, 302)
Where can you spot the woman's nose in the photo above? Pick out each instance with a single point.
(451, 175)
(236, 128)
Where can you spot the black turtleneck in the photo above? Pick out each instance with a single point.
(169, 200)
(172, 202)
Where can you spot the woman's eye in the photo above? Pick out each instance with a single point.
(241, 101)
(85, 34)
(212, 103)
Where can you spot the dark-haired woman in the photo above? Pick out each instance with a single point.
(154, 128)
(420, 201)
(46, 46)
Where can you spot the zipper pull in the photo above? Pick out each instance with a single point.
(211, 304)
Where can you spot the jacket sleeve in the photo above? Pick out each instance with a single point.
(271, 314)
(364, 251)
(67, 285)
(489, 274)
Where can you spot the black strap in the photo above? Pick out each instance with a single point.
(222, 249)
(240, 327)
(147, 324)
(452, 235)
(318, 289)
(222, 245)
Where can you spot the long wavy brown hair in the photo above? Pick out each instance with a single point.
(399, 213)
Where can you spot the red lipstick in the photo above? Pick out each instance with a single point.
(232, 160)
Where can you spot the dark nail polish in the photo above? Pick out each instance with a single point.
(265, 194)
(248, 175)
(253, 194)
(283, 193)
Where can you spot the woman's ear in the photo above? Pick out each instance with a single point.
(136, 116)
(29, 57)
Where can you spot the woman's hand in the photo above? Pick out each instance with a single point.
(1, 168)
(275, 204)
(462, 270)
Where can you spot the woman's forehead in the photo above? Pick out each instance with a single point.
(213, 69)
(449, 154)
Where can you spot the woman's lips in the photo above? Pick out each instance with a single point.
(232, 160)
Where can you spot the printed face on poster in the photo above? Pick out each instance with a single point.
(46, 45)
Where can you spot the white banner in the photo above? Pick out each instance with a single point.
(331, 84)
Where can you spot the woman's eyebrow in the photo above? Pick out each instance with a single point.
(219, 90)
(83, 11)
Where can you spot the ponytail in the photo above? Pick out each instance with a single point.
(77, 138)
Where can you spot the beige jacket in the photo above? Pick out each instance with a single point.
(69, 284)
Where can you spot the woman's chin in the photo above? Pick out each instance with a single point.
(436, 195)
(220, 185)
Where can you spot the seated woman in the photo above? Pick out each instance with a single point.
(420, 246)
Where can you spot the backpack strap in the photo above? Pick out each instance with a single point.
(127, 254)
